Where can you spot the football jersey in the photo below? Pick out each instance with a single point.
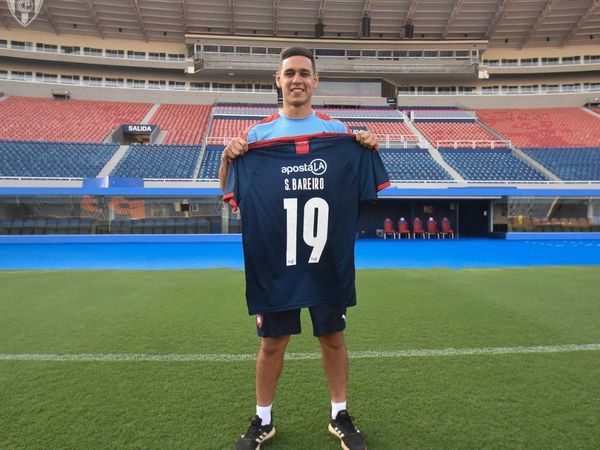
(299, 201)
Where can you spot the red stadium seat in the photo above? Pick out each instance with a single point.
(446, 229)
(418, 228)
(403, 228)
(388, 228)
(432, 228)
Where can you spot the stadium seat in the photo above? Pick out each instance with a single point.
(65, 121)
(432, 228)
(418, 228)
(403, 228)
(446, 229)
(388, 228)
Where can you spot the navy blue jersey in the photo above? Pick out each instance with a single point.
(299, 200)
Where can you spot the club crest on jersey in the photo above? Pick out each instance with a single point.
(24, 11)
(316, 166)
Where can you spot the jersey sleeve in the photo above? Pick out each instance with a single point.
(231, 193)
(372, 175)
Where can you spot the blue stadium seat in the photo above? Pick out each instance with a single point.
(489, 164)
(158, 161)
(569, 163)
(53, 159)
(412, 164)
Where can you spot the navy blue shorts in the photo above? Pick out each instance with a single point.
(326, 318)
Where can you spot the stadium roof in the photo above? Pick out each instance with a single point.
(505, 23)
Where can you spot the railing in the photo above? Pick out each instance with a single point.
(475, 143)
(396, 140)
(218, 140)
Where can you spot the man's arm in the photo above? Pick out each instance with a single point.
(236, 148)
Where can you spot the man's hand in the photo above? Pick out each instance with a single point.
(237, 147)
(367, 139)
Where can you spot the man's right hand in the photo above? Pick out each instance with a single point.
(237, 147)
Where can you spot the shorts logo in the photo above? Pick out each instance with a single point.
(344, 317)
(316, 166)
(24, 11)
(259, 321)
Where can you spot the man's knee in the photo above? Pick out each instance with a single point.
(273, 346)
(332, 341)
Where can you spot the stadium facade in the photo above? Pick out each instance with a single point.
(112, 126)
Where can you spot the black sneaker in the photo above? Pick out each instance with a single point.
(256, 435)
(350, 437)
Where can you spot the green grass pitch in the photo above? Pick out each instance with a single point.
(480, 401)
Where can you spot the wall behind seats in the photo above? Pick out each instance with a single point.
(349, 89)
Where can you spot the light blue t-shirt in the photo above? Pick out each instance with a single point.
(278, 126)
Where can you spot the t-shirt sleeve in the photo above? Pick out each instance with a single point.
(341, 127)
(231, 193)
(372, 175)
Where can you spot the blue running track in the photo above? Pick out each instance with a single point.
(370, 254)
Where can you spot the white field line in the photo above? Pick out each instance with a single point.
(224, 357)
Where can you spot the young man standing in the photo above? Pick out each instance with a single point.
(297, 78)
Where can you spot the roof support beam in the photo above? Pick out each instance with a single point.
(95, 17)
(365, 12)
(184, 18)
(321, 9)
(538, 22)
(231, 14)
(275, 16)
(50, 20)
(3, 23)
(586, 15)
(136, 7)
(452, 17)
(411, 10)
(501, 11)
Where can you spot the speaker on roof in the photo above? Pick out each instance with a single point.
(409, 30)
(366, 26)
(319, 29)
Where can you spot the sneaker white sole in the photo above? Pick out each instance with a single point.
(332, 431)
(268, 436)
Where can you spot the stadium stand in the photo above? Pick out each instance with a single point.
(456, 131)
(230, 127)
(41, 119)
(50, 159)
(185, 124)
(569, 163)
(158, 161)
(544, 127)
(489, 164)
(393, 128)
(412, 164)
(211, 160)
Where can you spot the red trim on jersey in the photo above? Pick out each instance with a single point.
(324, 116)
(383, 186)
(303, 137)
(271, 118)
(228, 198)
(302, 147)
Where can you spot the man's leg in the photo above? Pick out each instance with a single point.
(335, 364)
(268, 368)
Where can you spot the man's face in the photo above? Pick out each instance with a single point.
(297, 80)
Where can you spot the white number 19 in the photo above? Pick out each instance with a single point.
(316, 237)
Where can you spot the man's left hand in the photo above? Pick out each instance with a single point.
(367, 139)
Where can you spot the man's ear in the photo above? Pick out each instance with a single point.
(277, 79)
(316, 78)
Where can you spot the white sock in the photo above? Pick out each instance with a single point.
(336, 408)
(264, 412)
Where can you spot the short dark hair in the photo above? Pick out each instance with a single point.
(299, 51)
